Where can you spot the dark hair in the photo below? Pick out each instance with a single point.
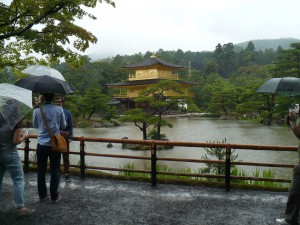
(60, 98)
(48, 97)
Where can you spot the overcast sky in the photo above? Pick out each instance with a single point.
(198, 25)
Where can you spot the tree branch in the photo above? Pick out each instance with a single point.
(53, 10)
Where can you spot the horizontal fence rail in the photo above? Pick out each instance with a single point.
(153, 158)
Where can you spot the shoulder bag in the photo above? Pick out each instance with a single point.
(58, 142)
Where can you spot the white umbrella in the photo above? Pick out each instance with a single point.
(15, 103)
(39, 70)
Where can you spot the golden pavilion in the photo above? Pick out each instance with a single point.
(147, 73)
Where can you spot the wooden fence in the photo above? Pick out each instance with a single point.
(153, 158)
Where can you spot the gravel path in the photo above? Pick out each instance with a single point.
(114, 202)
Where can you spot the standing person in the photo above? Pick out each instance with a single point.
(10, 160)
(68, 135)
(56, 121)
(293, 203)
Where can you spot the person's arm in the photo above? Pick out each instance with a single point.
(34, 119)
(70, 126)
(294, 127)
(62, 120)
(19, 136)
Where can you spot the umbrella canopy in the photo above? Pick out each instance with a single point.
(39, 70)
(45, 84)
(15, 103)
(289, 86)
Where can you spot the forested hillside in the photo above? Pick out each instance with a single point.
(269, 43)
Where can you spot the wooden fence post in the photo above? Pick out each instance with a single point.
(227, 168)
(82, 159)
(153, 165)
(26, 155)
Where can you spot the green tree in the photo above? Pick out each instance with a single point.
(249, 54)
(218, 56)
(225, 57)
(94, 102)
(229, 59)
(246, 82)
(92, 74)
(288, 62)
(44, 27)
(140, 119)
(152, 103)
(219, 154)
(211, 67)
(154, 99)
(224, 97)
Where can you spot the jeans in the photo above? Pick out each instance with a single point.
(66, 159)
(10, 160)
(293, 203)
(43, 153)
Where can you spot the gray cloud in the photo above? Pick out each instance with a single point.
(139, 25)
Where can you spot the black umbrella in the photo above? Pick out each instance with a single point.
(289, 86)
(45, 84)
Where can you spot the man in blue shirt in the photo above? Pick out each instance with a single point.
(68, 134)
(56, 120)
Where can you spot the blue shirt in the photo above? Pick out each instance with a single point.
(55, 118)
(69, 126)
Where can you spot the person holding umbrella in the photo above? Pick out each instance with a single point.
(293, 202)
(68, 135)
(15, 103)
(56, 121)
(10, 160)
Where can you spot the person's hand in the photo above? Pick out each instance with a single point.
(25, 135)
(287, 120)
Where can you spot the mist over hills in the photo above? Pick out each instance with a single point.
(260, 44)
(264, 44)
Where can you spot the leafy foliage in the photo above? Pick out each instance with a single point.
(94, 102)
(288, 62)
(219, 154)
(140, 119)
(155, 100)
(44, 27)
(223, 97)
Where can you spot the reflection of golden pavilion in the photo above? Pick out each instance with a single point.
(148, 72)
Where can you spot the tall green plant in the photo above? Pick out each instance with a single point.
(219, 154)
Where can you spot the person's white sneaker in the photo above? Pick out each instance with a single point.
(282, 221)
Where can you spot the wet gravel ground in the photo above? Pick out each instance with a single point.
(113, 202)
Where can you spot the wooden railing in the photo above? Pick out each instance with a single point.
(153, 158)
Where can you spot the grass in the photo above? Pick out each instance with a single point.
(234, 172)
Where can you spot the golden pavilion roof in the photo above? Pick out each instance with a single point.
(147, 82)
(153, 62)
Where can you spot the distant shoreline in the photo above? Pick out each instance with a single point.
(186, 115)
